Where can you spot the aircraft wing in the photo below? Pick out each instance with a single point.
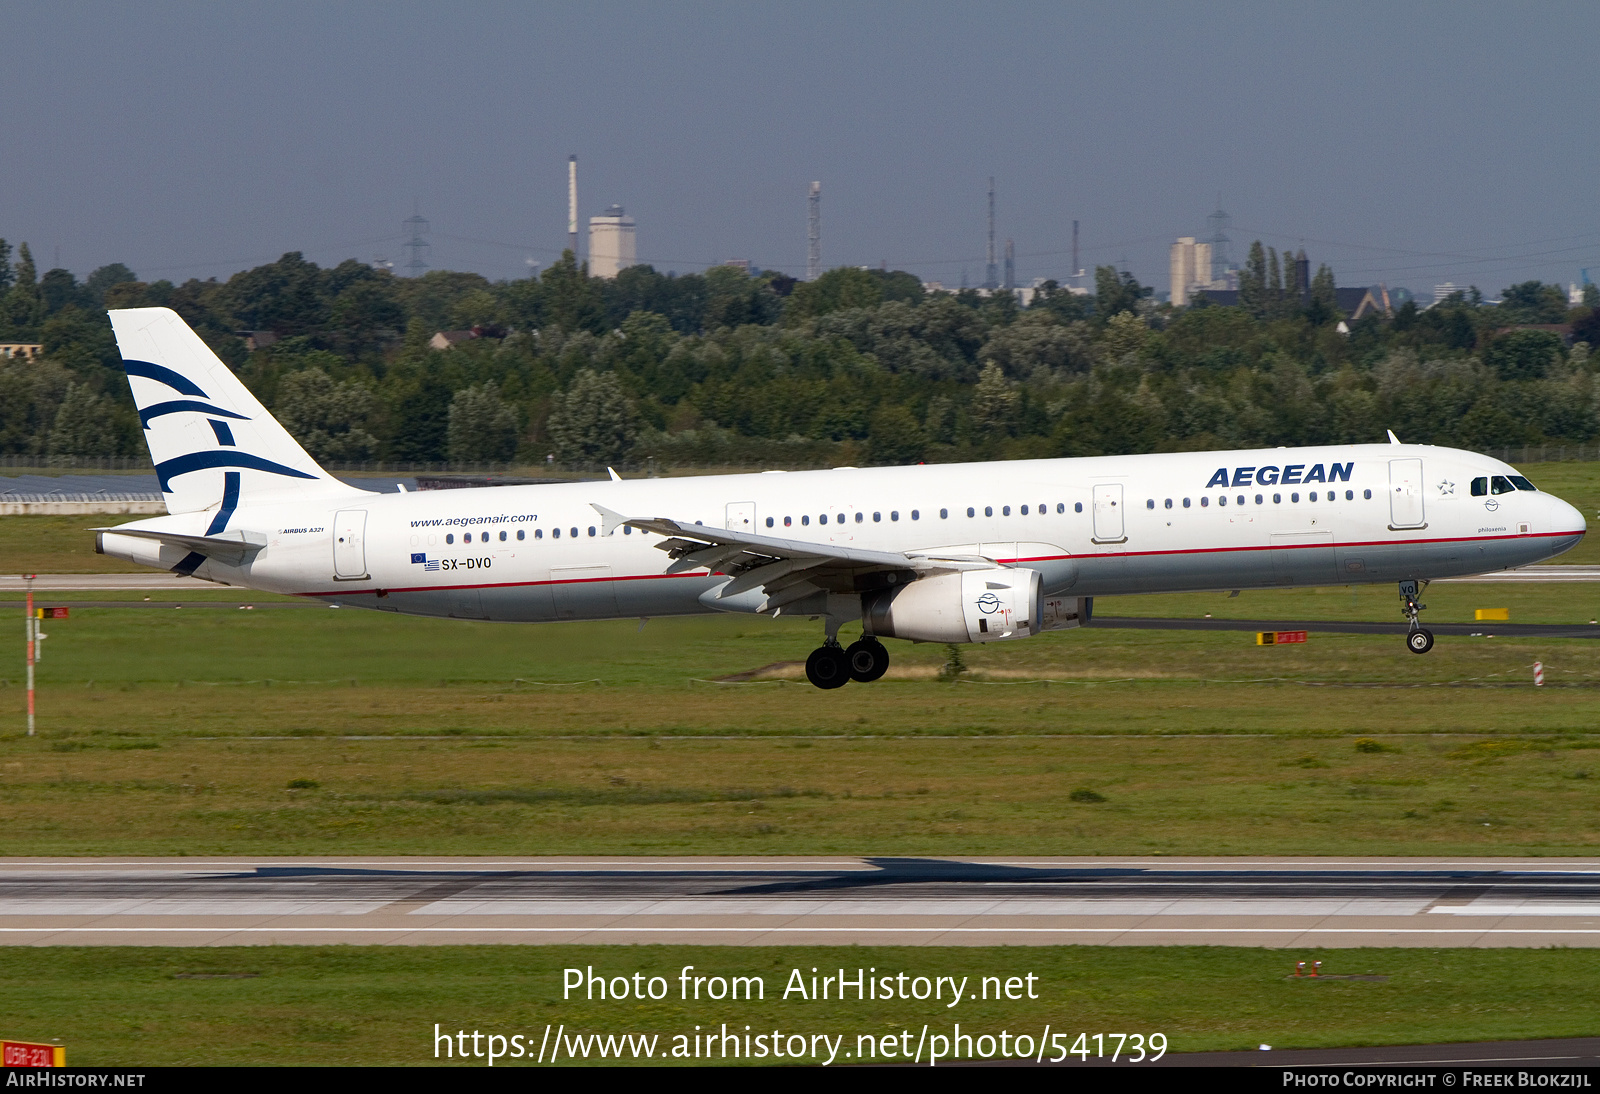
(787, 570)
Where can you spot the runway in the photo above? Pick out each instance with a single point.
(798, 901)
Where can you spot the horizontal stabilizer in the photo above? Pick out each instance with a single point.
(231, 548)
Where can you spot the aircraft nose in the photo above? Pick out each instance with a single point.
(1567, 517)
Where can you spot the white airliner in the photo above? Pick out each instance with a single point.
(950, 553)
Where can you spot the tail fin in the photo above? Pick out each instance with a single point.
(214, 445)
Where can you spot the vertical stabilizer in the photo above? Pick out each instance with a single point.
(213, 443)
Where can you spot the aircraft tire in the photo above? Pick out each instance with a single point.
(868, 660)
(1419, 641)
(828, 668)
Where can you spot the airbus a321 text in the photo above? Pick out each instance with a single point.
(952, 553)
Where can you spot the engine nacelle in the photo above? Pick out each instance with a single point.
(967, 606)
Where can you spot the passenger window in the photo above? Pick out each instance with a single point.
(1204, 502)
(538, 533)
(915, 514)
(1005, 511)
(521, 535)
(1024, 510)
(1500, 485)
(626, 530)
(1169, 503)
(944, 514)
(1077, 507)
(1521, 483)
(1150, 503)
(1349, 495)
(575, 531)
(805, 521)
(877, 518)
(1186, 503)
(823, 519)
(502, 537)
(1240, 499)
(1480, 487)
(1313, 496)
(1277, 499)
(450, 538)
(466, 537)
(1367, 494)
(860, 517)
(769, 522)
(555, 533)
(971, 512)
(988, 510)
(1295, 496)
(1259, 499)
(788, 521)
(1222, 500)
(894, 514)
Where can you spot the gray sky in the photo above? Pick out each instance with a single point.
(1412, 143)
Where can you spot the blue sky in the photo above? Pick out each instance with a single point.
(1407, 143)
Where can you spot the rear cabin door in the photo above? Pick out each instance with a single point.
(350, 544)
(1108, 522)
(741, 516)
(1405, 494)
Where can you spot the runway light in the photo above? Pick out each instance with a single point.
(1316, 968)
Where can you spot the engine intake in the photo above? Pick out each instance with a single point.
(969, 606)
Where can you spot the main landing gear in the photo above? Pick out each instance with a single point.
(830, 666)
(1418, 639)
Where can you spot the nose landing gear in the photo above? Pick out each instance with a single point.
(1418, 639)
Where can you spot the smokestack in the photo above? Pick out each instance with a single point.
(1077, 271)
(991, 272)
(572, 205)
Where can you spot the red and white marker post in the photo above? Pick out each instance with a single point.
(1538, 674)
(29, 624)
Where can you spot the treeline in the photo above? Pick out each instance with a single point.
(857, 367)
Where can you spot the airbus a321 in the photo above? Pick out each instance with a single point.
(953, 553)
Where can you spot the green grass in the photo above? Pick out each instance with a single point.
(169, 731)
(132, 1007)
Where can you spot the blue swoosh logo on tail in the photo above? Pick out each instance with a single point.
(163, 375)
(167, 470)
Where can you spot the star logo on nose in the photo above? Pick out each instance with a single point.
(1446, 486)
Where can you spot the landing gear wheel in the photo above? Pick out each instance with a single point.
(868, 660)
(828, 668)
(1419, 641)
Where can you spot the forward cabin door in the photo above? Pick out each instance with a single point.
(1108, 515)
(1405, 494)
(350, 545)
(741, 516)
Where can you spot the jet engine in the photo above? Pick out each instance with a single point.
(967, 606)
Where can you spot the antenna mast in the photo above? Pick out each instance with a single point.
(417, 227)
(814, 232)
(991, 273)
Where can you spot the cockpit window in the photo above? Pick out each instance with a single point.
(1480, 487)
(1521, 483)
(1500, 485)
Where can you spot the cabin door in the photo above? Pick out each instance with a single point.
(1108, 515)
(1405, 494)
(350, 545)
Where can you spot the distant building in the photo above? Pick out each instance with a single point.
(740, 264)
(612, 245)
(1190, 269)
(446, 339)
(257, 339)
(1441, 293)
(28, 351)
